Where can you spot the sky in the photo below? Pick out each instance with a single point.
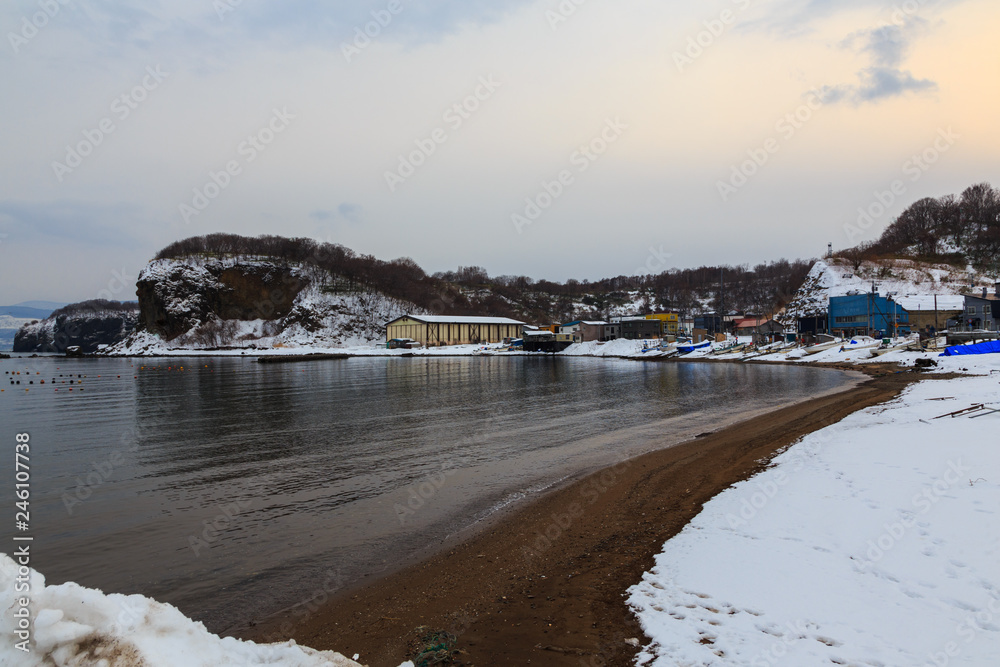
(555, 139)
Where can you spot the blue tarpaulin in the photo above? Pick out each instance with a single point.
(979, 348)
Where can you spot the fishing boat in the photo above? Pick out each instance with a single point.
(822, 346)
(907, 345)
(688, 348)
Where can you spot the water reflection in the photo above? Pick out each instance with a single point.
(307, 464)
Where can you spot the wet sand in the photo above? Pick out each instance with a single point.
(545, 584)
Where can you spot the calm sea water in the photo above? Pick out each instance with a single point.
(230, 488)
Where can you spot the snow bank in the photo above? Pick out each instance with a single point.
(611, 348)
(875, 541)
(77, 627)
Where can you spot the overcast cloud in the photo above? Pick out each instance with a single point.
(439, 134)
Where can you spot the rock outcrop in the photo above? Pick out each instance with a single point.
(89, 325)
(201, 302)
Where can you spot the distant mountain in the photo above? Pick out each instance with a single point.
(27, 312)
(43, 305)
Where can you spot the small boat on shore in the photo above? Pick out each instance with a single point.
(906, 345)
(688, 348)
(822, 346)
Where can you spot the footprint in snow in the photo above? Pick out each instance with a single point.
(963, 606)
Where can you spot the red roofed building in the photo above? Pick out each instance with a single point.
(757, 327)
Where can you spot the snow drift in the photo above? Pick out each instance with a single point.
(75, 626)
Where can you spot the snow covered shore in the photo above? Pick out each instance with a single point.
(875, 541)
(79, 627)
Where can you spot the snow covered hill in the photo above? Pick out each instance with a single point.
(200, 302)
(904, 280)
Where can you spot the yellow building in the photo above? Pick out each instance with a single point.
(671, 322)
(434, 330)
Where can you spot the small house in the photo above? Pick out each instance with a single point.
(638, 328)
(982, 312)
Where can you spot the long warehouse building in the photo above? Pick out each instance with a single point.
(434, 330)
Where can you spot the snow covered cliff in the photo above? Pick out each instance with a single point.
(89, 325)
(199, 302)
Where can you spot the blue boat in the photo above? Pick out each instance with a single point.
(691, 347)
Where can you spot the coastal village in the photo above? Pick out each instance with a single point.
(906, 311)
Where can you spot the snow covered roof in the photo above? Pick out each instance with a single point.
(461, 319)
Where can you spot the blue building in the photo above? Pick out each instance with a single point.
(867, 314)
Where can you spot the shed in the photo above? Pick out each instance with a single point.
(436, 330)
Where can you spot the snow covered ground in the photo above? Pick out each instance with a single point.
(82, 627)
(875, 541)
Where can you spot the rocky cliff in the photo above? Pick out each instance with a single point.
(206, 302)
(91, 325)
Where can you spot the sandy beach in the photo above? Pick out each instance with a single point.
(545, 584)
